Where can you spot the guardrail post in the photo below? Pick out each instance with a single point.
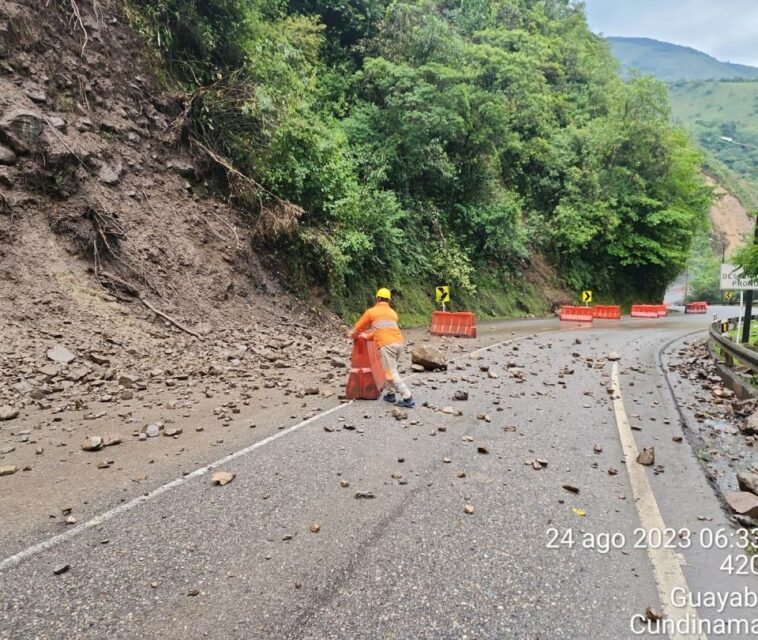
(731, 350)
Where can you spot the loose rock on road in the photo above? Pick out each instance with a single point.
(428, 523)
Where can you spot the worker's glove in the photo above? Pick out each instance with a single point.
(350, 335)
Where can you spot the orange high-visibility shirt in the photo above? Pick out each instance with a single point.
(381, 320)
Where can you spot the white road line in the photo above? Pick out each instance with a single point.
(101, 519)
(13, 560)
(530, 335)
(666, 565)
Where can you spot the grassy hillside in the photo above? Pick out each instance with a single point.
(670, 62)
(711, 99)
(711, 110)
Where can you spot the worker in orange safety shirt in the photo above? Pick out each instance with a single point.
(380, 322)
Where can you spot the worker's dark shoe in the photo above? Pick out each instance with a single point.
(390, 397)
(406, 403)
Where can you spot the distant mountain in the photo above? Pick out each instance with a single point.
(711, 109)
(670, 62)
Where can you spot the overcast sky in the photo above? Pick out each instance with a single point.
(725, 29)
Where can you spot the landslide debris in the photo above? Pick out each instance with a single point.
(723, 428)
(117, 270)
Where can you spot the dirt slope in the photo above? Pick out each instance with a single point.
(101, 218)
(97, 210)
(731, 222)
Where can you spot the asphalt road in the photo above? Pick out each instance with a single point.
(196, 560)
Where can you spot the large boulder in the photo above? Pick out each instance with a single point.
(8, 413)
(748, 482)
(21, 130)
(182, 167)
(60, 354)
(646, 456)
(6, 155)
(742, 408)
(93, 443)
(110, 175)
(743, 503)
(750, 425)
(428, 357)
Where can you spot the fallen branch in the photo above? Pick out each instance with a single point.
(227, 165)
(117, 285)
(78, 16)
(169, 318)
(107, 229)
(237, 244)
(63, 142)
(215, 233)
(144, 195)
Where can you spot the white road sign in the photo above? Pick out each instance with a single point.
(732, 278)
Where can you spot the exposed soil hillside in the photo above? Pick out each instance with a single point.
(103, 223)
(731, 222)
(99, 213)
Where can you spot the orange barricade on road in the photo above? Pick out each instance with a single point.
(576, 314)
(366, 377)
(644, 311)
(696, 307)
(606, 312)
(459, 324)
(662, 310)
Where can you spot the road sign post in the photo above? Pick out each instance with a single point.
(443, 295)
(733, 278)
(586, 297)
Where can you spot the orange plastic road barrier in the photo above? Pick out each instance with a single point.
(459, 324)
(576, 314)
(696, 307)
(644, 311)
(662, 310)
(606, 312)
(366, 377)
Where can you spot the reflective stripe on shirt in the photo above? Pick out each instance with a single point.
(384, 324)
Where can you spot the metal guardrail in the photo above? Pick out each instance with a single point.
(748, 357)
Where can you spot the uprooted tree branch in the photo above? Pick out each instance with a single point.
(217, 108)
(78, 21)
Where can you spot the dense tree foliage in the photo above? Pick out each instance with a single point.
(704, 269)
(747, 256)
(432, 141)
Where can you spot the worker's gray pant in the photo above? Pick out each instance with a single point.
(390, 355)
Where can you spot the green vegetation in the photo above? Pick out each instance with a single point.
(711, 110)
(420, 142)
(737, 331)
(712, 100)
(671, 62)
(747, 258)
(704, 270)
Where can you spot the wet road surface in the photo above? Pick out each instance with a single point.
(288, 551)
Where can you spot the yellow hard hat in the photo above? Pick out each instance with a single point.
(384, 293)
